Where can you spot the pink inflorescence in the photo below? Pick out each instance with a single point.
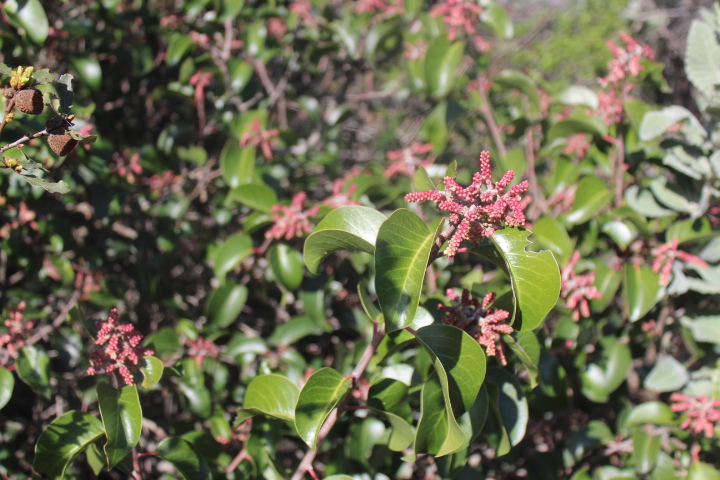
(703, 414)
(626, 61)
(291, 220)
(120, 351)
(578, 289)
(255, 136)
(458, 15)
(407, 160)
(479, 210)
(202, 348)
(665, 256)
(18, 332)
(482, 323)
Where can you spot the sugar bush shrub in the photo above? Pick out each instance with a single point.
(331, 240)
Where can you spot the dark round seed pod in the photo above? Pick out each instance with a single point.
(62, 144)
(29, 101)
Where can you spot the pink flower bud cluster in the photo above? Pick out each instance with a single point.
(457, 15)
(577, 145)
(610, 107)
(291, 220)
(255, 136)
(626, 61)
(479, 321)
(578, 289)
(200, 348)
(18, 332)
(340, 198)
(120, 351)
(703, 414)
(665, 256)
(407, 160)
(479, 210)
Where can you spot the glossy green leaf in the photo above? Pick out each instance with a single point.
(494, 425)
(152, 369)
(192, 386)
(30, 16)
(346, 228)
(689, 230)
(390, 395)
(88, 71)
(669, 196)
(65, 93)
(33, 365)
(287, 265)
(63, 440)
(656, 123)
(441, 63)
(622, 233)
(220, 426)
(230, 253)
(512, 403)
(535, 276)
(519, 81)
(178, 46)
(571, 126)
(641, 289)
(7, 383)
(579, 95)
(527, 349)
(402, 434)
(230, 9)
(422, 181)
(272, 395)
(438, 433)
(643, 202)
(459, 361)
(703, 471)
(401, 256)
(706, 329)
(592, 195)
(225, 304)
(600, 379)
(122, 419)
(497, 17)
(667, 375)
(255, 195)
(702, 60)
(582, 442)
(654, 412)
(298, 327)
(645, 450)
(473, 421)
(256, 35)
(56, 187)
(551, 234)
(322, 393)
(185, 458)
(237, 163)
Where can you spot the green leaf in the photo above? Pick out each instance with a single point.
(401, 257)
(551, 234)
(122, 419)
(297, 328)
(30, 16)
(656, 123)
(184, 456)
(237, 163)
(592, 195)
(59, 187)
(571, 126)
(63, 440)
(670, 197)
(7, 383)
(65, 93)
(655, 413)
(441, 63)
(706, 329)
(689, 230)
(535, 276)
(33, 369)
(287, 265)
(703, 471)
(152, 369)
(322, 393)
(512, 403)
(230, 253)
(255, 195)
(402, 434)
(527, 350)
(641, 289)
(230, 9)
(192, 385)
(89, 72)
(272, 395)
(645, 450)
(497, 17)
(346, 228)
(519, 81)
(225, 304)
(421, 181)
(220, 426)
(178, 45)
(438, 433)
(599, 380)
(643, 202)
(579, 95)
(702, 58)
(459, 361)
(4, 69)
(667, 375)
(494, 425)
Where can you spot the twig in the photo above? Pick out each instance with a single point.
(59, 319)
(8, 109)
(538, 203)
(487, 112)
(22, 139)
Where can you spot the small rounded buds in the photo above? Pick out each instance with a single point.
(62, 144)
(30, 101)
